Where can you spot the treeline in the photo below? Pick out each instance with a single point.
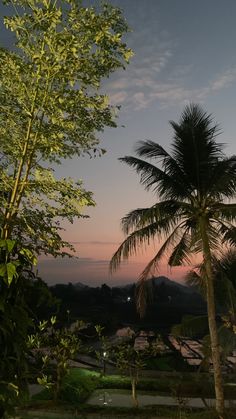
(112, 306)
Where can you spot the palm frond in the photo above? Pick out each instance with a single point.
(222, 181)
(151, 177)
(227, 264)
(141, 301)
(166, 211)
(150, 268)
(215, 241)
(224, 212)
(138, 218)
(150, 149)
(143, 294)
(181, 251)
(194, 279)
(132, 244)
(153, 264)
(228, 234)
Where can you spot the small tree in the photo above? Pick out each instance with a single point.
(53, 348)
(105, 347)
(130, 362)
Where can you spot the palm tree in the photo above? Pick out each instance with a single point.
(224, 271)
(191, 214)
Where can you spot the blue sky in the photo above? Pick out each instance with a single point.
(184, 52)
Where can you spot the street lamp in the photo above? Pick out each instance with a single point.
(105, 398)
(68, 315)
(104, 362)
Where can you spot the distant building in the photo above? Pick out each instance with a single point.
(141, 343)
(125, 332)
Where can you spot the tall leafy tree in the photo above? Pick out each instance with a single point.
(51, 109)
(193, 213)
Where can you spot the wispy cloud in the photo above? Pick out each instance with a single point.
(143, 91)
(132, 88)
(224, 80)
(156, 75)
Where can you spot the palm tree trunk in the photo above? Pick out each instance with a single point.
(215, 347)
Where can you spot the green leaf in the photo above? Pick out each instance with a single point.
(11, 272)
(3, 270)
(26, 252)
(10, 244)
(2, 243)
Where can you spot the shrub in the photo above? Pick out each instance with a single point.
(78, 385)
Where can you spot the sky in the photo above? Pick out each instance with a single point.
(184, 51)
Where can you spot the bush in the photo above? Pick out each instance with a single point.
(78, 385)
(160, 364)
(115, 381)
(171, 362)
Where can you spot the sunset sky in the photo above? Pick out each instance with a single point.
(184, 52)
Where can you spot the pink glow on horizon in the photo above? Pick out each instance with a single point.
(92, 266)
(135, 264)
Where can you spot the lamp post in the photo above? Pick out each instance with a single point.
(104, 362)
(68, 315)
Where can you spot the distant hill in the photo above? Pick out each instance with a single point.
(80, 285)
(157, 281)
(163, 280)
